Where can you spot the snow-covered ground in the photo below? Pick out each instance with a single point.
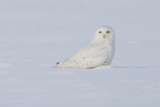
(35, 34)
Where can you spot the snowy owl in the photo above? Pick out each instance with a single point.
(98, 53)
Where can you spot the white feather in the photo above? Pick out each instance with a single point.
(99, 52)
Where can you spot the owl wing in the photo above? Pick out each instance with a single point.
(90, 57)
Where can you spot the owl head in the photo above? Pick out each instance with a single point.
(104, 33)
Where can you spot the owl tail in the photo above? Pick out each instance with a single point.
(58, 65)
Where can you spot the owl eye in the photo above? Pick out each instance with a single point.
(107, 31)
(100, 31)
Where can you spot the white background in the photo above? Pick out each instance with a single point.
(35, 34)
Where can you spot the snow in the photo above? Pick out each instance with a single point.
(36, 34)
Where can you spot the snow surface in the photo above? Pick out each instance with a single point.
(35, 34)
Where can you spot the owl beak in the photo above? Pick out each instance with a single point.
(104, 36)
